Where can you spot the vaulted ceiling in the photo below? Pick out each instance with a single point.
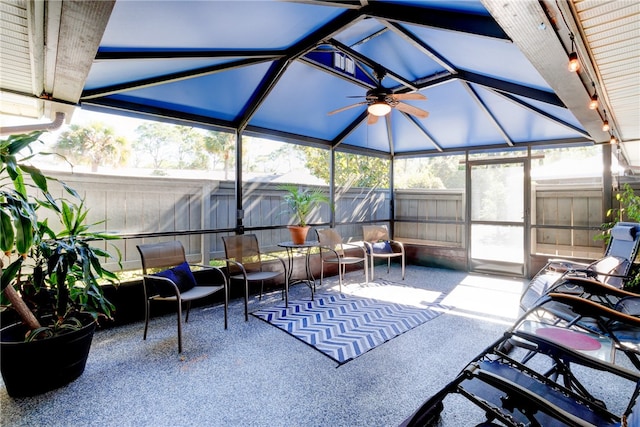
(494, 72)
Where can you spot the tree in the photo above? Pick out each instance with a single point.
(155, 141)
(352, 170)
(221, 144)
(95, 144)
(192, 153)
(438, 172)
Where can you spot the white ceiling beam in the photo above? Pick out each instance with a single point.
(82, 24)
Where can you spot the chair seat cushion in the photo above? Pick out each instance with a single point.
(381, 247)
(181, 275)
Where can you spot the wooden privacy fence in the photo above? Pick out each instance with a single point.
(564, 218)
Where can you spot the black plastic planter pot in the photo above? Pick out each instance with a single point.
(31, 368)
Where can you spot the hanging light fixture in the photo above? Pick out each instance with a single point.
(613, 139)
(379, 108)
(574, 63)
(593, 104)
(605, 123)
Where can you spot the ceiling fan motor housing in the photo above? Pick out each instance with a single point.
(380, 95)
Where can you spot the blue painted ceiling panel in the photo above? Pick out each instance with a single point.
(212, 24)
(280, 66)
(520, 123)
(473, 6)
(389, 48)
(456, 120)
(482, 55)
(117, 72)
(359, 32)
(409, 136)
(216, 95)
(301, 100)
(373, 137)
(558, 112)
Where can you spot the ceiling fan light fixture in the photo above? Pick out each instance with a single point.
(379, 108)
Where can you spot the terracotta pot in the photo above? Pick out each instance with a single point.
(31, 368)
(298, 234)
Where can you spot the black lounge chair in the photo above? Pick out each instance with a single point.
(612, 269)
(510, 392)
(543, 370)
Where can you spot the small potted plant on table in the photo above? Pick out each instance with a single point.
(49, 278)
(301, 202)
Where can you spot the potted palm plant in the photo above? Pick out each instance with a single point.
(50, 279)
(301, 201)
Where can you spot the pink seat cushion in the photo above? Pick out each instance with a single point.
(571, 339)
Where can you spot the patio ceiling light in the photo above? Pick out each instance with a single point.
(593, 104)
(379, 108)
(574, 63)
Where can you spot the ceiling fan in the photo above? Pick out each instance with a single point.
(381, 100)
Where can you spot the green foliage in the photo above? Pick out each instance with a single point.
(54, 273)
(95, 145)
(165, 146)
(302, 201)
(628, 209)
(438, 172)
(351, 170)
(222, 145)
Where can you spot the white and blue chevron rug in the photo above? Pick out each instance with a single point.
(343, 326)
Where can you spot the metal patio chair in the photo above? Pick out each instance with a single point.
(244, 263)
(379, 245)
(332, 251)
(167, 277)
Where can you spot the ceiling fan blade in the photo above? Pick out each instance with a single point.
(403, 96)
(339, 110)
(410, 109)
(372, 120)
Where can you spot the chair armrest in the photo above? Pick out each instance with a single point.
(396, 245)
(236, 263)
(208, 268)
(590, 286)
(147, 282)
(327, 248)
(585, 307)
(355, 245)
